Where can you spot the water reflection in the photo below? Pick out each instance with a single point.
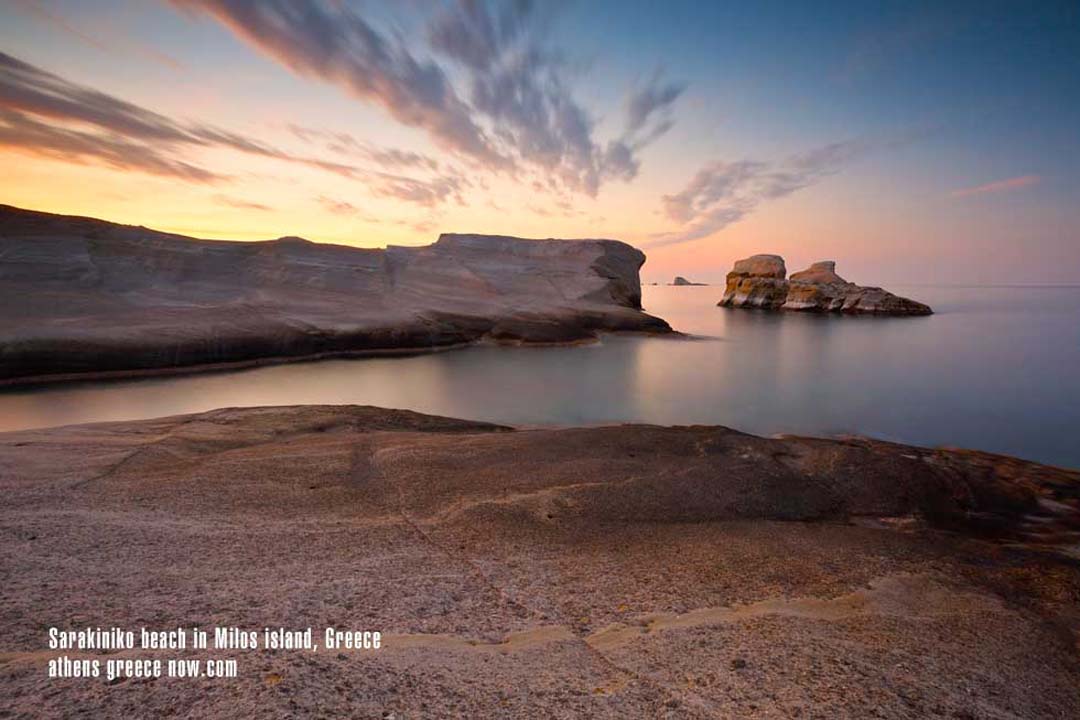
(995, 368)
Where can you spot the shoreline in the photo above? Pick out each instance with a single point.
(59, 379)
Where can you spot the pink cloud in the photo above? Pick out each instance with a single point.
(999, 186)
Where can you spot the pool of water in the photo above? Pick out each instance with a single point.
(996, 368)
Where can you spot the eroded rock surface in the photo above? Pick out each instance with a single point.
(758, 282)
(822, 272)
(609, 572)
(84, 296)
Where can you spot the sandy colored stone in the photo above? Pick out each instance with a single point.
(822, 272)
(755, 283)
(764, 266)
(611, 572)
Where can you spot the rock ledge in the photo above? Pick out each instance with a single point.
(87, 297)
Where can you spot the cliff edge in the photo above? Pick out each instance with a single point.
(84, 296)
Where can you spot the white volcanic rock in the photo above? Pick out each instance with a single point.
(758, 282)
(88, 296)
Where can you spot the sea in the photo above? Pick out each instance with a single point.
(995, 368)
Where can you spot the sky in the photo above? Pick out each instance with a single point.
(911, 142)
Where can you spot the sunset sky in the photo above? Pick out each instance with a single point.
(925, 142)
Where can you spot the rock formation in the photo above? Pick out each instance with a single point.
(86, 296)
(823, 271)
(606, 572)
(759, 282)
(680, 281)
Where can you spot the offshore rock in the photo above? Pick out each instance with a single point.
(758, 282)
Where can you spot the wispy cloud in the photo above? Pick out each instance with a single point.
(240, 203)
(334, 44)
(998, 186)
(478, 79)
(722, 193)
(344, 143)
(655, 97)
(337, 207)
(522, 89)
(24, 133)
(515, 111)
(421, 191)
(44, 114)
(27, 89)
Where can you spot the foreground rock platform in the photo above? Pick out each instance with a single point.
(85, 297)
(608, 572)
(759, 282)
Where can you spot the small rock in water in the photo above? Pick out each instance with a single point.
(759, 282)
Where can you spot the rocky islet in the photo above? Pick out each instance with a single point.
(761, 281)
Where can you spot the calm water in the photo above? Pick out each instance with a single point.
(997, 368)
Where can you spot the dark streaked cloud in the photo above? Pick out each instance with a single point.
(655, 98)
(514, 111)
(475, 34)
(28, 89)
(26, 134)
(398, 158)
(722, 193)
(330, 42)
(47, 115)
(522, 89)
